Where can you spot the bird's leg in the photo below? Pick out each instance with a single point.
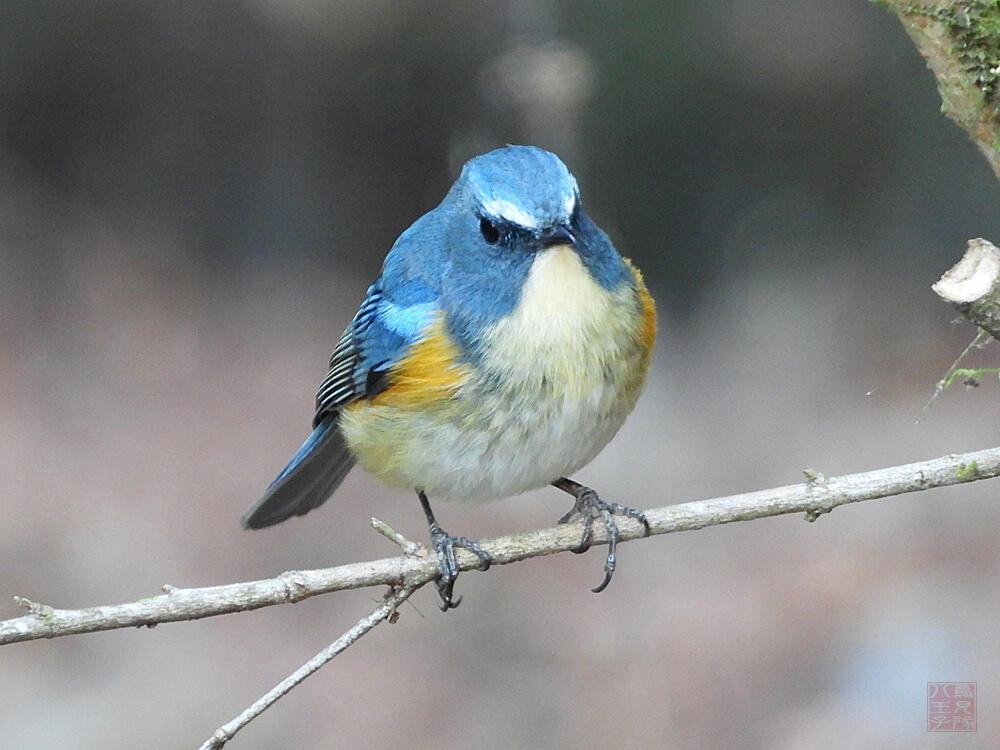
(444, 545)
(589, 506)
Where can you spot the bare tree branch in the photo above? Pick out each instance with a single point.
(972, 286)
(814, 497)
(383, 612)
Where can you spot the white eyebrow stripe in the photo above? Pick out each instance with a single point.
(569, 203)
(501, 209)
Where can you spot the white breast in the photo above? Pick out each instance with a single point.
(565, 329)
(567, 361)
(556, 379)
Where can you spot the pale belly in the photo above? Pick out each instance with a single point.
(558, 379)
(479, 447)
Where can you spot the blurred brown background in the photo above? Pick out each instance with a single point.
(193, 198)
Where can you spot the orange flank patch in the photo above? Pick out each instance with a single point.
(429, 373)
(647, 330)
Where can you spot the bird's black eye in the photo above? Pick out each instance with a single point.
(489, 231)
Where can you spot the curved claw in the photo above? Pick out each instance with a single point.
(588, 535)
(444, 545)
(444, 591)
(589, 506)
(609, 561)
(609, 570)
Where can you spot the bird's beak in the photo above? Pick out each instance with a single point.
(557, 235)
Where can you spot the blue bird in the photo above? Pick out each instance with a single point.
(502, 347)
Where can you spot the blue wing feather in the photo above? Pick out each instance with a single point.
(375, 340)
(395, 311)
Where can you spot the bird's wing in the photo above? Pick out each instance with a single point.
(389, 321)
(376, 339)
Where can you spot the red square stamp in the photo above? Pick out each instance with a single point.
(951, 706)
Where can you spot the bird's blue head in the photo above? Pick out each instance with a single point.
(506, 208)
(522, 188)
(512, 203)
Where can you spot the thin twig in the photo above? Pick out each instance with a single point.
(385, 611)
(813, 497)
(978, 342)
(409, 547)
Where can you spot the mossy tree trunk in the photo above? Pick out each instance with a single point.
(961, 43)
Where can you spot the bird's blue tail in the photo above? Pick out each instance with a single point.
(314, 472)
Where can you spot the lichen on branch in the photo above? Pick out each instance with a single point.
(961, 43)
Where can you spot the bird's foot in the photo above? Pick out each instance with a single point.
(444, 545)
(589, 506)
